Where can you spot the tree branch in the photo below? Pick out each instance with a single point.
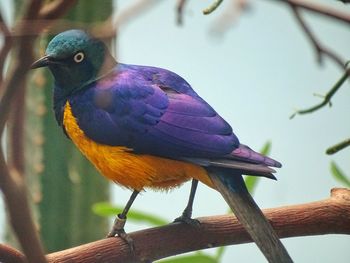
(229, 16)
(12, 183)
(330, 216)
(318, 8)
(320, 49)
(180, 11)
(15, 129)
(321, 52)
(56, 9)
(339, 146)
(15, 193)
(11, 255)
(5, 48)
(327, 97)
(212, 7)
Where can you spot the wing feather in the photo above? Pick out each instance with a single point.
(158, 113)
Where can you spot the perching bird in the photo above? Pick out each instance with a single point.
(145, 127)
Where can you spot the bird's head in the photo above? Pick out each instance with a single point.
(75, 59)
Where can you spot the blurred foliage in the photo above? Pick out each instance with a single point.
(196, 258)
(251, 181)
(68, 184)
(339, 175)
(106, 209)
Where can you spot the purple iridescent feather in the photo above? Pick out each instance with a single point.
(155, 111)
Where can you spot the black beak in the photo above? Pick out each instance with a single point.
(41, 62)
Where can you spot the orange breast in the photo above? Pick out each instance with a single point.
(128, 169)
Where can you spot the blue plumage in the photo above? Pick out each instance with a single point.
(152, 111)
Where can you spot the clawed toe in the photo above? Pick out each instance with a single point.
(118, 230)
(188, 220)
(121, 233)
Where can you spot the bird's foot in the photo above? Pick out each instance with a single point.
(185, 218)
(118, 230)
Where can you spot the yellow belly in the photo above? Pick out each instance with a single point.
(135, 171)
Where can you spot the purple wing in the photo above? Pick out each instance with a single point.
(140, 109)
(155, 111)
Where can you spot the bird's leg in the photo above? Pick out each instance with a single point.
(119, 222)
(187, 213)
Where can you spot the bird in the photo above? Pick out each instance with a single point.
(145, 127)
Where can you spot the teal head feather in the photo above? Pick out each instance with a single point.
(76, 59)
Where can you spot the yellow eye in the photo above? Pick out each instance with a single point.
(79, 57)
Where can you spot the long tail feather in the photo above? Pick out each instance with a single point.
(232, 187)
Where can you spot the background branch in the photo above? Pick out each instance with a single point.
(11, 255)
(56, 9)
(6, 47)
(212, 7)
(12, 183)
(327, 97)
(320, 49)
(316, 7)
(229, 16)
(330, 216)
(180, 11)
(339, 146)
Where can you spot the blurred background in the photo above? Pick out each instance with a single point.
(254, 65)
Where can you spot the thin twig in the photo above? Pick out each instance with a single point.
(316, 7)
(229, 16)
(180, 11)
(212, 7)
(339, 146)
(327, 97)
(320, 49)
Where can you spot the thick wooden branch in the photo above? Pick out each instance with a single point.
(11, 255)
(330, 216)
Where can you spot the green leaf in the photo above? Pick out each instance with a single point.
(219, 253)
(252, 181)
(197, 258)
(266, 149)
(339, 174)
(106, 209)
